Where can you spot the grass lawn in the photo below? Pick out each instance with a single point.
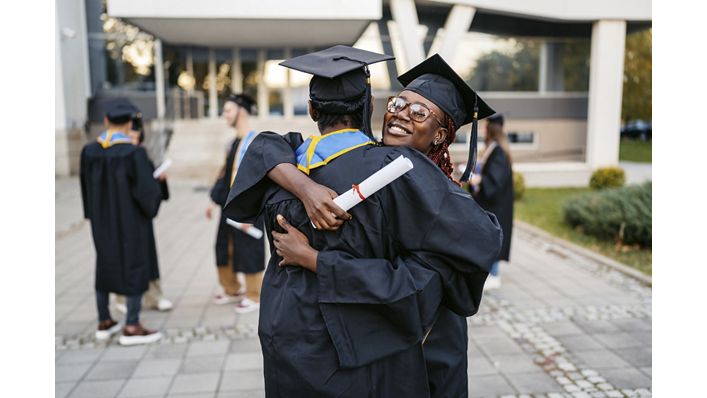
(543, 208)
(636, 151)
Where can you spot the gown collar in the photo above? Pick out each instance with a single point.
(319, 150)
(112, 137)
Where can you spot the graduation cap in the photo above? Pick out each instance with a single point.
(120, 111)
(435, 80)
(341, 76)
(496, 118)
(245, 101)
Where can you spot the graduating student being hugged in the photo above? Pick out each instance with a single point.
(351, 320)
(120, 198)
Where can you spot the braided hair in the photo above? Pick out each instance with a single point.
(439, 154)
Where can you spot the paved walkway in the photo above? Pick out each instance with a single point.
(560, 326)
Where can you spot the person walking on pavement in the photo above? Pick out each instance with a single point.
(120, 198)
(237, 251)
(492, 188)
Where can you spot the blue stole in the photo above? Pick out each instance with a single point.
(110, 138)
(240, 152)
(319, 150)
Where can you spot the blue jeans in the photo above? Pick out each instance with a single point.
(133, 303)
(495, 268)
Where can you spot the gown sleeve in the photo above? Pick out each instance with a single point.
(494, 176)
(145, 189)
(397, 301)
(164, 188)
(83, 177)
(248, 193)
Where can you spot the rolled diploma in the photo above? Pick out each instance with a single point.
(252, 231)
(163, 167)
(376, 181)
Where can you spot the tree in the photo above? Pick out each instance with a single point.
(516, 70)
(638, 72)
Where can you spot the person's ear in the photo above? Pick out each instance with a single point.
(440, 136)
(312, 112)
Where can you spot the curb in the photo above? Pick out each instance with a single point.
(595, 257)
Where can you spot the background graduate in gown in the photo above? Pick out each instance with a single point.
(364, 325)
(236, 251)
(153, 297)
(493, 188)
(120, 198)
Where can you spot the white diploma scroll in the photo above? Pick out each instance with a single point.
(163, 167)
(252, 231)
(372, 184)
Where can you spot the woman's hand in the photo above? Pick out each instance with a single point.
(320, 206)
(210, 210)
(294, 247)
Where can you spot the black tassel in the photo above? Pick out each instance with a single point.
(367, 106)
(471, 163)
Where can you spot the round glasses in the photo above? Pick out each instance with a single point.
(417, 112)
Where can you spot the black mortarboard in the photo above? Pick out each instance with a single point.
(245, 101)
(496, 118)
(120, 110)
(138, 126)
(340, 74)
(435, 80)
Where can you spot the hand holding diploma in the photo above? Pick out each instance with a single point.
(249, 229)
(359, 192)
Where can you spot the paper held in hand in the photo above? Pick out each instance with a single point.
(372, 184)
(163, 167)
(252, 231)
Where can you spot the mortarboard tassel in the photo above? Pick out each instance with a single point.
(367, 106)
(471, 163)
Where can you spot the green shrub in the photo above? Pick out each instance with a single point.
(607, 177)
(620, 214)
(518, 186)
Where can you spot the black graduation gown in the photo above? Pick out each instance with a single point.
(120, 198)
(496, 195)
(355, 328)
(154, 266)
(248, 252)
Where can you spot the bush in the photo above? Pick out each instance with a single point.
(607, 177)
(518, 186)
(620, 214)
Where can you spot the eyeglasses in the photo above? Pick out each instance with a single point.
(418, 112)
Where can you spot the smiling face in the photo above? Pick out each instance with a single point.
(400, 130)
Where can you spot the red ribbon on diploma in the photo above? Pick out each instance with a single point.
(358, 191)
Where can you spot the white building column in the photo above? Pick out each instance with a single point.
(236, 71)
(213, 93)
(605, 89)
(405, 17)
(159, 80)
(456, 26)
(263, 103)
(543, 67)
(288, 105)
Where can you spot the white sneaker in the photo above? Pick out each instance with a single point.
(246, 305)
(492, 282)
(223, 298)
(164, 304)
(108, 330)
(122, 308)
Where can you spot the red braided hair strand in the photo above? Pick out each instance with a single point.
(439, 154)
